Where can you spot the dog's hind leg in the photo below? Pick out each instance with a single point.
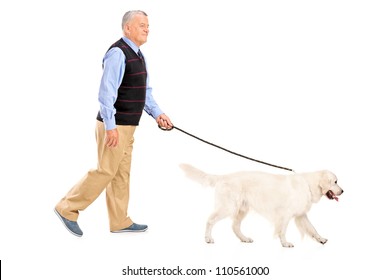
(216, 216)
(305, 227)
(243, 211)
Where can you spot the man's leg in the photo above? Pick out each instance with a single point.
(118, 192)
(95, 181)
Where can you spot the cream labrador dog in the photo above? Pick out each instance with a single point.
(279, 198)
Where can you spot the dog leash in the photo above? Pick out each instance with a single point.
(219, 147)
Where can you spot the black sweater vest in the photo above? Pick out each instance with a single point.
(132, 91)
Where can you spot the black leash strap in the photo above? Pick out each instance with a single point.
(200, 139)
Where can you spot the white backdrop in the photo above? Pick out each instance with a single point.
(296, 83)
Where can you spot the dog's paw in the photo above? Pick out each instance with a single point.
(247, 240)
(287, 245)
(209, 240)
(322, 240)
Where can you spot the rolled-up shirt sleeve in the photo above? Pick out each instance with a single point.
(113, 70)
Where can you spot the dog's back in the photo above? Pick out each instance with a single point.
(245, 179)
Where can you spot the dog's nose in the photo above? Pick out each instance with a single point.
(341, 191)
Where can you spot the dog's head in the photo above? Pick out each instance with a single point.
(329, 186)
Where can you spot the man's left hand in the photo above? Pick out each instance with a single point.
(164, 121)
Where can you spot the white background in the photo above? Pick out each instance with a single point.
(302, 84)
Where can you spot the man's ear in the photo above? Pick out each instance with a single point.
(126, 29)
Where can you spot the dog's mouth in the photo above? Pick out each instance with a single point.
(331, 195)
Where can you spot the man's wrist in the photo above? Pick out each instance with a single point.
(109, 124)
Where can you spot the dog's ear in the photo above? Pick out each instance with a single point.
(317, 183)
(325, 181)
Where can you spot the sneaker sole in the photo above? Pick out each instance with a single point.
(120, 231)
(62, 221)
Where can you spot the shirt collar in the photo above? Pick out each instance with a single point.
(131, 44)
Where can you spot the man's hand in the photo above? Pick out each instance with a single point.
(112, 138)
(164, 121)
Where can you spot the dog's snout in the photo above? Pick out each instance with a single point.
(341, 191)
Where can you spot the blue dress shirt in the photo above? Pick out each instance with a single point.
(114, 63)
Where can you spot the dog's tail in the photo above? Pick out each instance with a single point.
(198, 175)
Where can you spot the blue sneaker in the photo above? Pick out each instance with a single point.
(73, 227)
(133, 228)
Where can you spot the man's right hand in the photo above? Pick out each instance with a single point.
(112, 138)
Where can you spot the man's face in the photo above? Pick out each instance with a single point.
(137, 29)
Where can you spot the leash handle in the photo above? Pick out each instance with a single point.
(219, 147)
(165, 129)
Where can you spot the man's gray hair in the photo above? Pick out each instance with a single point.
(129, 16)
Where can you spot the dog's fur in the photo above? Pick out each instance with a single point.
(279, 198)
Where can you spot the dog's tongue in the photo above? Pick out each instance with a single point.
(331, 195)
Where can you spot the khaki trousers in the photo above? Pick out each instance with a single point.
(112, 174)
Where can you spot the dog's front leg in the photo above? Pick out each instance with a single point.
(306, 227)
(280, 230)
(208, 238)
(237, 226)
